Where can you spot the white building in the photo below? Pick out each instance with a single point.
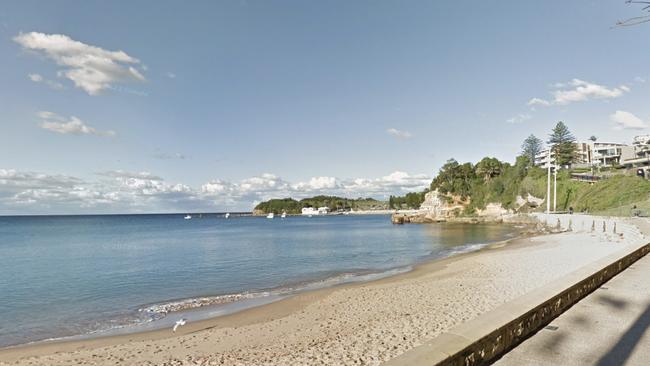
(638, 154)
(606, 153)
(590, 153)
(542, 159)
(310, 211)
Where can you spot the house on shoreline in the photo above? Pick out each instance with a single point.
(311, 211)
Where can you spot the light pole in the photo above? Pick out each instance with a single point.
(555, 188)
(548, 183)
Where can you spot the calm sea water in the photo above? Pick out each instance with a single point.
(66, 276)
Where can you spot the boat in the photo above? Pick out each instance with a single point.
(188, 217)
(270, 215)
(227, 215)
(284, 214)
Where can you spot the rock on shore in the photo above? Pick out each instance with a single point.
(441, 208)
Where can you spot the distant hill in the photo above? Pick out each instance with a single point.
(292, 206)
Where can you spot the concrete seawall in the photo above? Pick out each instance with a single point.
(484, 339)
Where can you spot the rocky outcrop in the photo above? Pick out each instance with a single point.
(493, 210)
(529, 203)
(440, 208)
(434, 208)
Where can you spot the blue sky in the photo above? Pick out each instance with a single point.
(177, 106)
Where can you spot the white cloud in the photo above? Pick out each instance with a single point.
(37, 78)
(73, 125)
(171, 75)
(639, 79)
(400, 134)
(90, 68)
(123, 191)
(519, 118)
(538, 101)
(627, 121)
(121, 174)
(317, 183)
(394, 183)
(578, 90)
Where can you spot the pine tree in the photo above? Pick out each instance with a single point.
(562, 144)
(531, 147)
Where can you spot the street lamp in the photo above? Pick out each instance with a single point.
(548, 182)
(555, 167)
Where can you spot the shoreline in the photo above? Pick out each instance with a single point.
(254, 314)
(369, 322)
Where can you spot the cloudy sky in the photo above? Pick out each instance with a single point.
(213, 106)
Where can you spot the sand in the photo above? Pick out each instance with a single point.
(357, 324)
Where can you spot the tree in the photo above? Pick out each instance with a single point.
(562, 144)
(638, 19)
(489, 168)
(531, 147)
(454, 178)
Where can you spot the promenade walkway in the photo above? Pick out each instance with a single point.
(611, 326)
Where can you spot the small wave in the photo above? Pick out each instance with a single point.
(160, 310)
(463, 249)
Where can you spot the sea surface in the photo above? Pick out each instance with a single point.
(80, 276)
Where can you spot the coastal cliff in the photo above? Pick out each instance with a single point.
(442, 208)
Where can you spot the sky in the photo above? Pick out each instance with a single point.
(166, 106)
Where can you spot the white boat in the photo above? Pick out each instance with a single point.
(270, 215)
(227, 215)
(188, 217)
(284, 214)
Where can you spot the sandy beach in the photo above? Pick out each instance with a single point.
(357, 324)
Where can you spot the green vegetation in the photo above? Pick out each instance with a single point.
(607, 195)
(291, 206)
(492, 181)
(410, 200)
(455, 178)
(489, 181)
(563, 144)
(531, 147)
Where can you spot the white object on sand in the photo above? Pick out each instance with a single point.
(179, 323)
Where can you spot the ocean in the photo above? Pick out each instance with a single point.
(81, 276)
